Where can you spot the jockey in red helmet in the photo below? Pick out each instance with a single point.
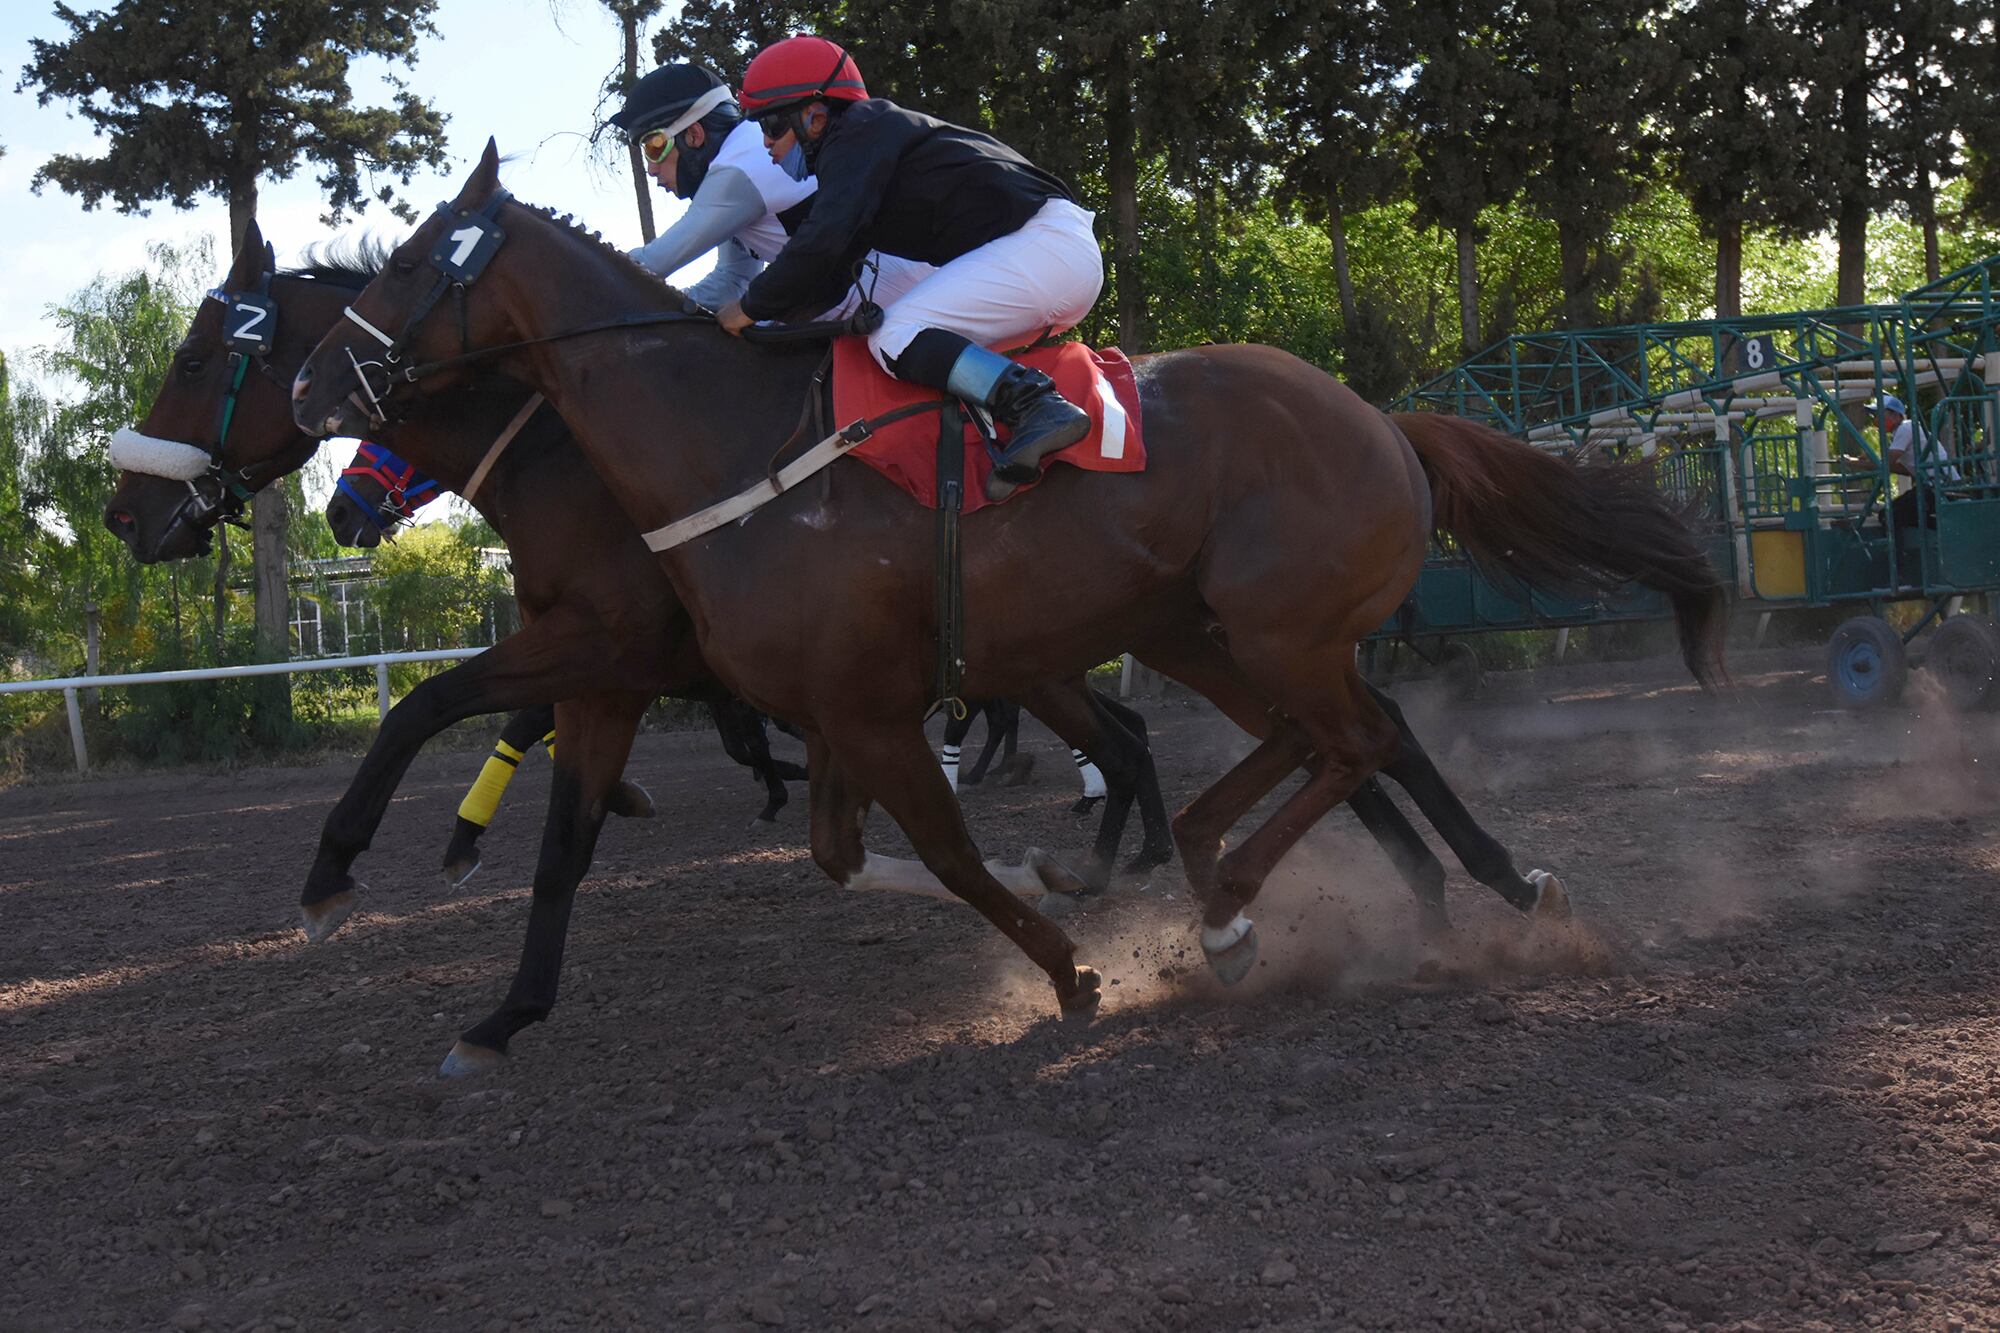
(1015, 255)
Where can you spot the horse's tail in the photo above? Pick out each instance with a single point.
(1582, 529)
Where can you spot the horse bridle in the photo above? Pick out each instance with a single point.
(461, 255)
(250, 323)
(405, 490)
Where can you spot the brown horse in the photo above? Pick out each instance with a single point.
(603, 630)
(1280, 519)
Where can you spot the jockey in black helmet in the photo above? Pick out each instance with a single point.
(741, 204)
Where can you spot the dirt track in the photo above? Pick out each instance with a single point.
(1757, 1088)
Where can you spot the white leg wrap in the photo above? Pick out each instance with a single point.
(1093, 778)
(950, 762)
(1215, 941)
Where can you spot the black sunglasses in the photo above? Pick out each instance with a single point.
(775, 124)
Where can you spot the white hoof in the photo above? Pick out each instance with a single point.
(324, 917)
(1231, 950)
(1551, 898)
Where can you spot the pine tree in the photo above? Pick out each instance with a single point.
(631, 14)
(1596, 71)
(1461, 111)
(1927, 87)
(1738, 141)
(1328, 103)
(211, 97)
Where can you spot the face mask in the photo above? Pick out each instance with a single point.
(793, 164)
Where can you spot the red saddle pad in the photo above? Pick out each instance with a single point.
(906, 451)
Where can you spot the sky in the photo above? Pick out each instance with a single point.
(512, 69)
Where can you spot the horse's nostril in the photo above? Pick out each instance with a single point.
(301, 382)
(120, 523)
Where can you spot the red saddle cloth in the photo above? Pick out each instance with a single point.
(906, 451)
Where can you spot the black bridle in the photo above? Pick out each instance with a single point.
(249, 331)
(462, 254)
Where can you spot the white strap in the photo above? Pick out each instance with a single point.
(500, 445)
(756, 497)
(380, 336)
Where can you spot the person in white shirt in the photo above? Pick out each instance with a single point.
(697, 145)
(1910, 448)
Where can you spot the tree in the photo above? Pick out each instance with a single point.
(1596, 71)
(1330, 97)
(1739, 143)
(209, 97)
(1929, 68)
(1839, 103)
(631, 14)
(1460, 109)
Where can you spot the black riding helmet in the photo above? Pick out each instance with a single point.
(672, 98)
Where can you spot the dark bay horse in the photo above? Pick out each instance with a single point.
(1280, 519)
(603, 632)
(378, 492)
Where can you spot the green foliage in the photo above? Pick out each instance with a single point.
(209, 96)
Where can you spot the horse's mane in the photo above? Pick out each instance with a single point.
(576, 229)
(356, 262)
(344, 262)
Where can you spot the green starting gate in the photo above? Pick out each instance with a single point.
(1759, 425)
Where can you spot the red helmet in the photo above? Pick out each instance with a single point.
(799, 69)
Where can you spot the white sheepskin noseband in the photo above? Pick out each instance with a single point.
(156, 457)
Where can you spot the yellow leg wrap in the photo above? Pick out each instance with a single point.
(550, 741)
(484, 798)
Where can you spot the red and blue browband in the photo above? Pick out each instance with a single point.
(404, 489)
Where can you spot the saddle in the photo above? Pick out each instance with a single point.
(907, 450)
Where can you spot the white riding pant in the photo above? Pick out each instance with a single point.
(1046, 275)
(892, 278)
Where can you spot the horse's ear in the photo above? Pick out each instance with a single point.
(249, 265)
(485, 178)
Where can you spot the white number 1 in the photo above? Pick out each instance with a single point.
(467, 237)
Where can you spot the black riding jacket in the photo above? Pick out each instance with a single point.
(903, 183)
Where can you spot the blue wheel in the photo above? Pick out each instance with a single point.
(1865, 663)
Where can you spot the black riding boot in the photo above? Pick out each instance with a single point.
(1039, 420)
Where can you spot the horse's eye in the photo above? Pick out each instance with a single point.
(404, 267)
(190, 367)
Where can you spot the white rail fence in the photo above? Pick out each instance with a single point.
(70, 685)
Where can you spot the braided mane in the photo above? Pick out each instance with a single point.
(569, 223)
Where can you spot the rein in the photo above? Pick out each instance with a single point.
(463, 254)
(250, 322)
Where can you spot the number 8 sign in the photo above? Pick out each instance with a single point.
(1755, 354)
(464, 250)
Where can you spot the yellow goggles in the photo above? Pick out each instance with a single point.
(655, 146)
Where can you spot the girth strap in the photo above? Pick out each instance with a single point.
(499, 445)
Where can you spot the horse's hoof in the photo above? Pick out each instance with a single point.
(457, 872)
(1085, 804)
(319, 920)
(765, 821)
(1551, 898)
(630, 800)
(1080, 1005)
(1148, 858)
(1231, 950)
(1054, 875)
(466, 1060)
(1018, 771)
